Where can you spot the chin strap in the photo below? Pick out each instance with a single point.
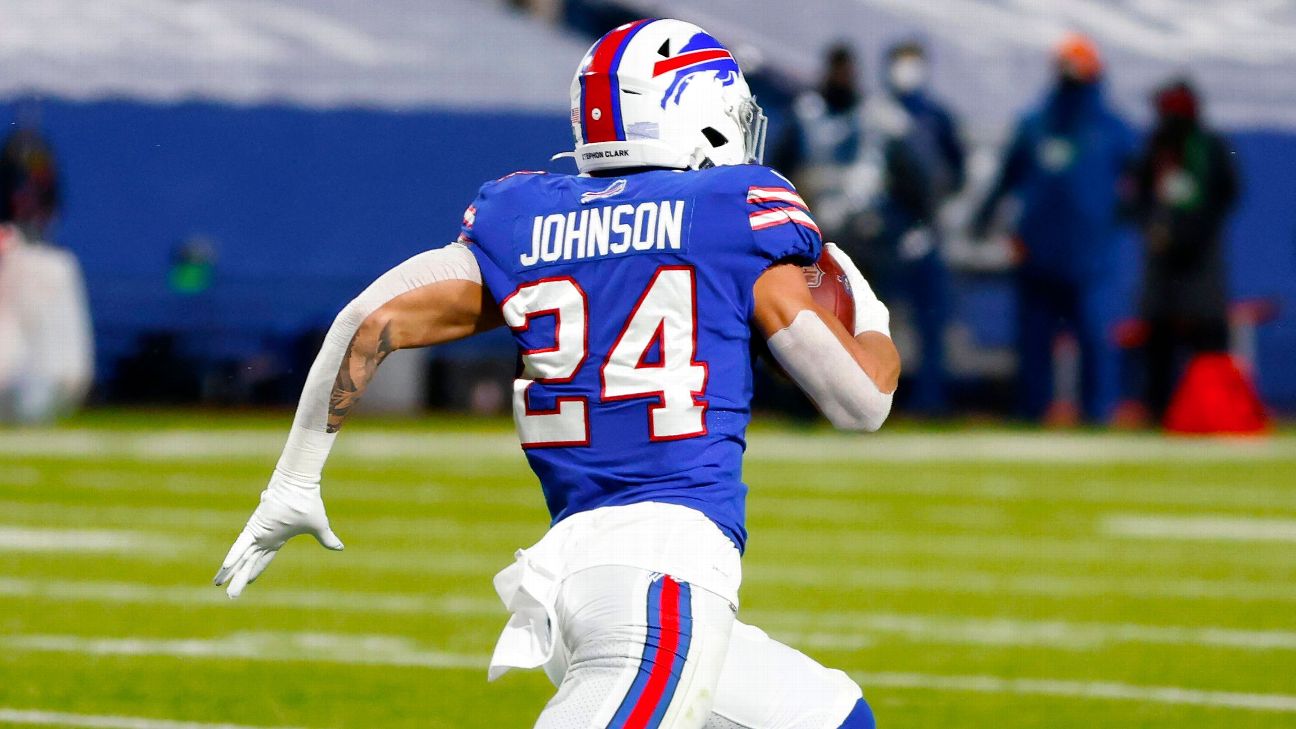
(699, 160)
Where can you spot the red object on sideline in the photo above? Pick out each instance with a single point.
(1215, 396)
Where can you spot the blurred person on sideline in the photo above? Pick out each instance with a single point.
(1185, 188)
(850, 159)
(46, 344)
(1065, 165)
(919, 275)
(29, 184)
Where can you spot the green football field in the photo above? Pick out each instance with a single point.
(965, 577)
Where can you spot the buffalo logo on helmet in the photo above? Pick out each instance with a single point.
(702, 54)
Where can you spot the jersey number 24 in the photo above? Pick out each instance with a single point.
(665, 315)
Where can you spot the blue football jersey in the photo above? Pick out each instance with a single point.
(631, 301)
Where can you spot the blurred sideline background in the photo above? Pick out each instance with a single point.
(229, 174)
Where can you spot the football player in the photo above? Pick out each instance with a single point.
(633, 290)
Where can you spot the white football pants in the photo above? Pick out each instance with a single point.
(640, 650)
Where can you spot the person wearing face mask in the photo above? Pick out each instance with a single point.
(933, 129)
(851, 156)
(1066, 165)
(1185, 187)
(851, 159)
(918, 274)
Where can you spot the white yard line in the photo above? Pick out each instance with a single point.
(1015, 488)
(347, 649)
(41, 539)
(31, 717)
(955, 581)
(154, 547)
(143, 594)
(396, 651)
(1221, 527)
(794, 447)
(1026, 447)
(838, 630)
(341, 491)
(793, 544)
(1283, 703)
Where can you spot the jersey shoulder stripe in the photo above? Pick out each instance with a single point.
(763, 219)
(757, 195)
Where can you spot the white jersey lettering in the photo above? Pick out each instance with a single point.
(611, 230)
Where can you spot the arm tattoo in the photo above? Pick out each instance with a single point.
(359, 363)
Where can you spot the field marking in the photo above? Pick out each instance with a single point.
(396, 651)
(980, 582)
(792, 544)
(34, 717)
(201, 523)
(1015, 489)
(982, 446)
(340, 648)
(1283, 703)
(155, 547)
(341, 490)
(143, 594)
(414, 561)
(44, 539)
(1203, 527)
(835, 631)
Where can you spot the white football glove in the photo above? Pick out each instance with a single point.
(290, 505)
(871, 315)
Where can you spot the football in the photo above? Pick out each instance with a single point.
(831, 289)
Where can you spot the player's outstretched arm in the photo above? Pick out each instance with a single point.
(432, 298)
(850, 375)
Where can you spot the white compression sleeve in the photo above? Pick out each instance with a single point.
(812, 355)
(309, 442)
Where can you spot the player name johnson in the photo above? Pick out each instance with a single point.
(598, 232)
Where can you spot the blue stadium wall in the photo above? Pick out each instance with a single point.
(304, 207)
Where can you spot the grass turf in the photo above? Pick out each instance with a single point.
(1042, 581)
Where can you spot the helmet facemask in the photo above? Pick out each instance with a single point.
(752, 120)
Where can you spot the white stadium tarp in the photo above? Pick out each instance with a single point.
(326, 53)
(990, 56)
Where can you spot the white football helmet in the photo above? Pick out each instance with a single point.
(663, 93)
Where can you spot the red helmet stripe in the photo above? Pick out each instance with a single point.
(691, 58)
(598, 87)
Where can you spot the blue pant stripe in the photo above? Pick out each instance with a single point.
(652, 641)
(685, 609)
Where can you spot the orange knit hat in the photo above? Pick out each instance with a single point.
(1077, 56)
